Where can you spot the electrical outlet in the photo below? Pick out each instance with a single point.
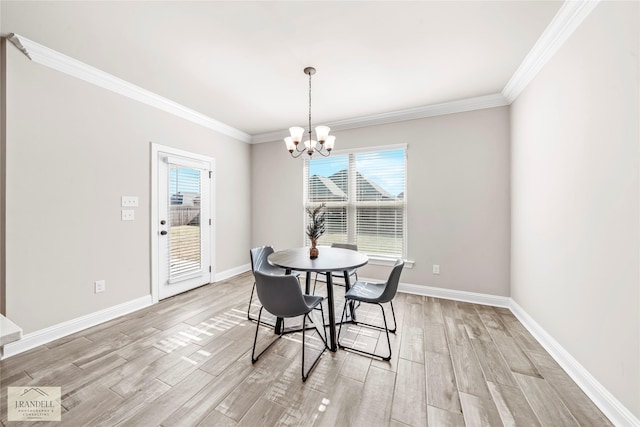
(100, 286)
(436, 269)
(129, 201)
(128, 215)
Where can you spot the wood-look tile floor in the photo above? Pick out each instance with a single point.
(186, 362)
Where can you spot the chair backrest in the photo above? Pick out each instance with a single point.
(351, 246)
(259, 260)
(392, 283)
(280, 295)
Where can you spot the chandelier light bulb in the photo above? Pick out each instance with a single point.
(289, 143)
(329, 142)
(296, 134)
(322, 132)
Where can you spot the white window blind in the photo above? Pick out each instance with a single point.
(365, 197)
(184, 221)
(327, 182)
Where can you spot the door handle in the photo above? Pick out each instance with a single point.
(163, 232)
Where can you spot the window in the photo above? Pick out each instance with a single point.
(365, 197)
(184, 221)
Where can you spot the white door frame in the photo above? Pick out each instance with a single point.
(156, 149)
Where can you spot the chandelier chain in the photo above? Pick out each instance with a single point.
(310, 106)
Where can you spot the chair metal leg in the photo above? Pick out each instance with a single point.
(395, 325)
(324, 329)
(385, 329)
(255, 358)
(250, 301)
(254, 319)
(326, 340)
(393, 331)
(305, 375)
(341, 322)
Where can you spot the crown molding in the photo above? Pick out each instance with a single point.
(65, 64)
(564, 23)
(459, 106)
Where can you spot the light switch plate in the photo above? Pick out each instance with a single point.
(129, 201)
(436, 269)
(100, 286)
(128, 215)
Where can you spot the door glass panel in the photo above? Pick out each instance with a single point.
(184, 223)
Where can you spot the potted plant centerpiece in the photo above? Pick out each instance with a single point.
(315, 228)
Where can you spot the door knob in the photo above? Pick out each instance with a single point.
(163, 222)
(163, 232)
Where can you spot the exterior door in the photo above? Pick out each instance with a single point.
(184, 225)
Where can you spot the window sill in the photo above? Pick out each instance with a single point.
(388, 262)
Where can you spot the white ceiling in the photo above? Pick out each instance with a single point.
(241, 62)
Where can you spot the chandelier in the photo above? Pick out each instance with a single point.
(324, 143)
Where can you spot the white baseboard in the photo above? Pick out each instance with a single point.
(44, 336)
(608, 404)
(232, 272)
(617, 413)
(452, 294)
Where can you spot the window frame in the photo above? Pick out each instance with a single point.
(352, 204)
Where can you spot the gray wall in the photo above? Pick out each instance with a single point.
(457, 189)
(575, 199)
(73, 149)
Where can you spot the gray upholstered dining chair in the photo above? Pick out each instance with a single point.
(374, 293)
(259, 263)
(351, 272)
(282, 297)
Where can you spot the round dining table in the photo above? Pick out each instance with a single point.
(328, 261)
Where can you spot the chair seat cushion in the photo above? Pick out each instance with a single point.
(312, 300)
(365, 291)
